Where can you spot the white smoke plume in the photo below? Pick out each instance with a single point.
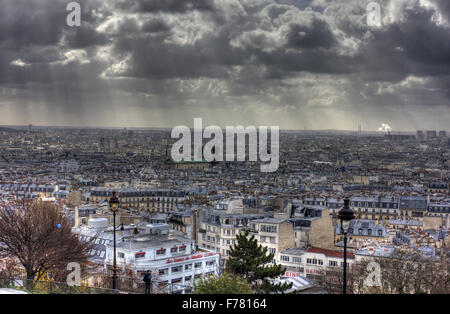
(385, 128)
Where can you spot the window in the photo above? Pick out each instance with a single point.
(272, 251)
(319, 262)
(198, 265)
(177, 269)
(140, 255)
(268, 228)
(187, 267)
(182, 248)
(297, 260)
(120, 255)
(161, 252)
(369, 231)
(176, 280)
(187, 278)
(380, 233)
(332, 263)
(174, 250)
(210, 263)
(285, 258)
(163, 271)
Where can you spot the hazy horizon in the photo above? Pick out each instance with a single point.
(223, 127)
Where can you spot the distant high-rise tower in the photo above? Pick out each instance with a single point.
(431, 134)
(420, 135)
(108, 145)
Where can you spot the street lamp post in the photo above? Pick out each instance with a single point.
(345, 216)
(114, 206)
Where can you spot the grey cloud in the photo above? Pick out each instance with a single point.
(83, 37)
(318, 35)
(172, 6)
(155, 26)
(270, 59)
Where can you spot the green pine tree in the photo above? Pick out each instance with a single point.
(253, 262)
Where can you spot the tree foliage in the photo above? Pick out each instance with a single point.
(253, 261)
(40, 238)
(225, 284)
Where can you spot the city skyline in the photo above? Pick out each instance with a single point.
(292, 63)
(299, 130)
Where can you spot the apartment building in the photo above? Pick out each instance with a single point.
(368, 207)
(316, 231)
(413, 206)
(277, 234)
(152, 200)
(172, 259)
(312, 262)
(218, 230)
(183, 223)
(362, 232)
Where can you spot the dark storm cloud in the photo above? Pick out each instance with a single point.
(275, 11)
(24, 22)
(444, 8)
(155, 26)
(172, 6)
(282, 56)
(418, 47)
(84, 37)
(152, 57)
(315, 36)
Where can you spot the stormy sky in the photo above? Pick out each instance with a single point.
(297, 64)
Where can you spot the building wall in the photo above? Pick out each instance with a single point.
(285, 237)
(321, 234)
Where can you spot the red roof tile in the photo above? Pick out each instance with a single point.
(330, 253)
